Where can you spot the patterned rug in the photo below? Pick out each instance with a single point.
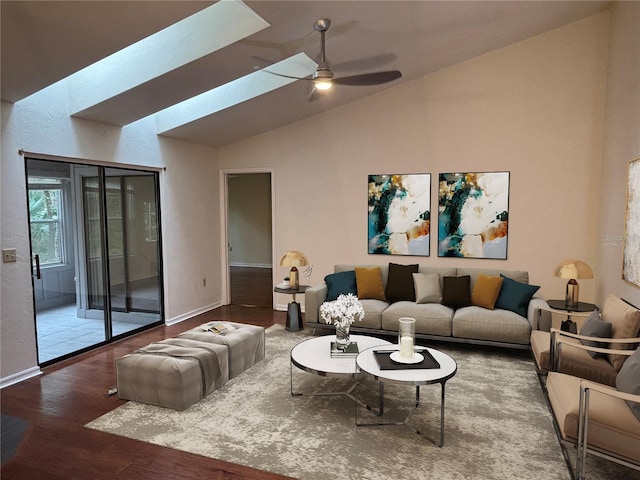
(497, 425)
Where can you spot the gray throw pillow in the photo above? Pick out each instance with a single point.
(594, 326)
(628, 380)
(427, 287)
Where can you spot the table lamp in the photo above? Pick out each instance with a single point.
(572, 269)
(293, 259)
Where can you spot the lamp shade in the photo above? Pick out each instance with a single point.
(573, 268)
(294, 258)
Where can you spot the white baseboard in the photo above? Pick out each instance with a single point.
(191, 314)
(250, 265)
(20, 376)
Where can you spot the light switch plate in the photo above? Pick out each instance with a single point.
(8, 255)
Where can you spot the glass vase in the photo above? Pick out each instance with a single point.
(342, 336)
(406, 336)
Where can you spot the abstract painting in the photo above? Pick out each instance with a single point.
(631, 255)
(473, 215)
(399, 214)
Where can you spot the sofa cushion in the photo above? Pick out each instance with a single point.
(593, 326)
(628, 380)
(372, 313)
(431, 318)
(400, 283)
(486, 290)
(369, 283)
(612, 427)
(427, 287)
(515, 296)
(625, 322)
(498, 325)
(456, 292)
(340, 283)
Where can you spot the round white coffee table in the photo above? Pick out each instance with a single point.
(314, 356)
(368, 364)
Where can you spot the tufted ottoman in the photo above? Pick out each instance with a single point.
(245, 343)
(177, 372)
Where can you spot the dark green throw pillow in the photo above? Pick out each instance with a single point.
(594, 326)
(340, 283)
(456, 291)
(400, 283)
(515, 296)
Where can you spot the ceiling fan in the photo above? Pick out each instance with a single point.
(323, 78)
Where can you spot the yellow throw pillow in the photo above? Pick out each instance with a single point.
(369, 283)
(485, 291)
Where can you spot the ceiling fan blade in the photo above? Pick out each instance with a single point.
(375, 78)
(284, 76)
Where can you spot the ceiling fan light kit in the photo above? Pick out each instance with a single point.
(322, 77)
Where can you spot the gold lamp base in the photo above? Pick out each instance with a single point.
(573, 293)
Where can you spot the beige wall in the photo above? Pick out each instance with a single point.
(621, 144)
(534, 108)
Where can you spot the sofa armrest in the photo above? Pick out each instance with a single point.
(314, 297)
(607, 390)
(537, 307)
(556, 334)
(558, 338)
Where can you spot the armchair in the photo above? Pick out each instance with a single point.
(593, 418)
(568, 353)
(591, 437)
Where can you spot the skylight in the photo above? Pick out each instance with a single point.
(202, 33)
(234, 92)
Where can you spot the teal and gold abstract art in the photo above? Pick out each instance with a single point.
(473, 215)
(399, 214)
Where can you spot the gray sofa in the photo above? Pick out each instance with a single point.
(470, 324)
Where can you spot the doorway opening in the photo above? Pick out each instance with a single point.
(96, 252)
(249, 238)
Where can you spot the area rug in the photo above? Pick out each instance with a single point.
(497, 425)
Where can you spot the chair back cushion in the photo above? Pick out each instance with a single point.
(625, 323)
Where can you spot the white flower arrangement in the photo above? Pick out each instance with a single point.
(343, 311)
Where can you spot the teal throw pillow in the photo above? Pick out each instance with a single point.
(339, 283)
(594, 326)
(515, 296)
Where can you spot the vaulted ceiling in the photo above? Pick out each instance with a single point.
(43, 42)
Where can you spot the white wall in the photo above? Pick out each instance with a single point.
(621, 145)
(534, 108)
(189, 209)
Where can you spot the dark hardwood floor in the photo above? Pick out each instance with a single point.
(58, 403)
(251, 286)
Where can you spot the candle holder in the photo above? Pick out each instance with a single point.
(406, 337)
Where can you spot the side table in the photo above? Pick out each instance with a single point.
(582, 309)
(294, 313)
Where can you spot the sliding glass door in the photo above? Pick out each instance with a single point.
(104, 277)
